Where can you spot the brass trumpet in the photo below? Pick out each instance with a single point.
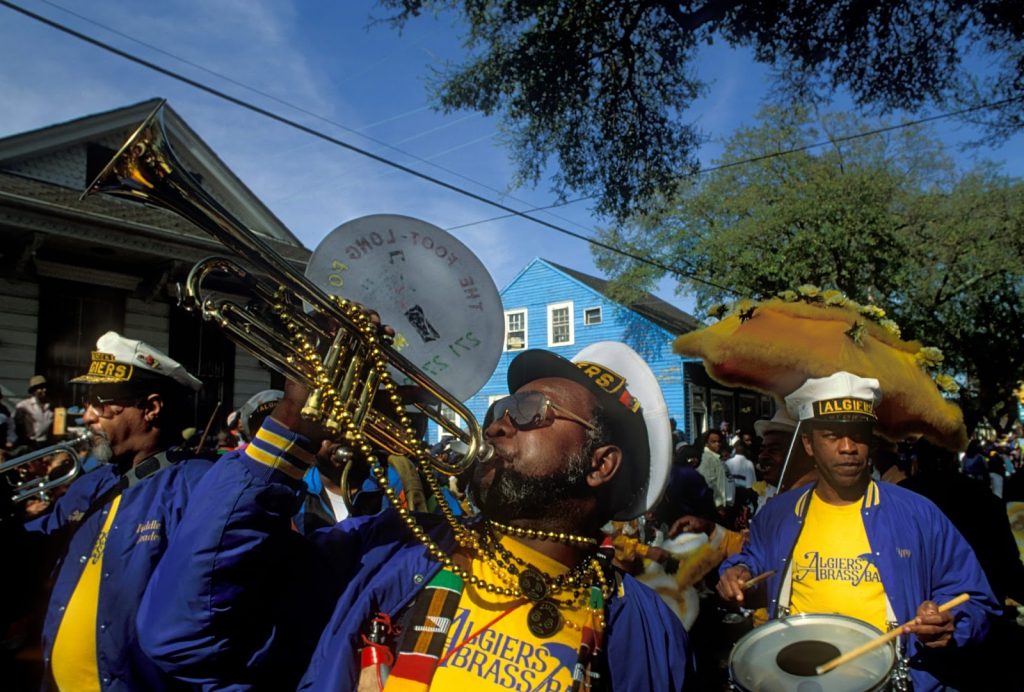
(40, 487)
(332, 349)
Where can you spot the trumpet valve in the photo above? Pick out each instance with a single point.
(313, 409)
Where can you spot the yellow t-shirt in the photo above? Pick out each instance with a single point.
(74, 648)
(507, 655)
(833, 567)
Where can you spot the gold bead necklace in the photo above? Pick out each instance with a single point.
(480, 544)
(555, 536)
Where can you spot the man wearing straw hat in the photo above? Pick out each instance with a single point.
(33, 415)
(852, 546)
(113, 523)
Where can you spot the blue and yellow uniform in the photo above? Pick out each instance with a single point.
(240, 599)
(116, 570)
(917, 554)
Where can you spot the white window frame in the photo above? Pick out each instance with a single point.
(551, 331)
(600, 315)
(526, 327)
(449, 413)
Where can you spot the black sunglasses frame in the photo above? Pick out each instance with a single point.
(538, 418)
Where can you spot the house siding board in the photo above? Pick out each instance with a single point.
(148, 321)
(250, 377)
(19, 324)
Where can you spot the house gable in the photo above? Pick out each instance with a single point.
(56, 163)
(73, 267)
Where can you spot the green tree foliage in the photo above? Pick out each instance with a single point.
(602, 88)
(886, 219)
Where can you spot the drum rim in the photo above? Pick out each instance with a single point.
(891, 645)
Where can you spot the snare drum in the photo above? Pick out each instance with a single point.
(780, 656)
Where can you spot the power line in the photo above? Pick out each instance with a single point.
(346, 145)
(784, 152)
(510, 212)
(358, 132)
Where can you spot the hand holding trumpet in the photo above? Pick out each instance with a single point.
(289, 409)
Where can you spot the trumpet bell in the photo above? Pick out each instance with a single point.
(40, 487)
(332, 348)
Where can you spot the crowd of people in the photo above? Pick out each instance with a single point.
(277, 556)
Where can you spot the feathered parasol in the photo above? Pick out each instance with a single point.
(776, 345)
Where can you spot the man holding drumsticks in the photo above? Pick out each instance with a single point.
(852, 546)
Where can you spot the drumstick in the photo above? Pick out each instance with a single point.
(758, 579)
(879, 641)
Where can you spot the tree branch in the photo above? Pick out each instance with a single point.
(711, 12)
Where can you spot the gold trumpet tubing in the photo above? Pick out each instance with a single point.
(365, 399)
(325, 395)
(273, 297)
(147, 169)
(349, 379)
(260, 341)
(388, 435)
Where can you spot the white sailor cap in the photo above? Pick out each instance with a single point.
(841, 397)
(130, 362)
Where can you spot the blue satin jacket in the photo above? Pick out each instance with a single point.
(240, 601)
(919, 554)
(148, 515)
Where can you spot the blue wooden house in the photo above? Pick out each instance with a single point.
(562, 310)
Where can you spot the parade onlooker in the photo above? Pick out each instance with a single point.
(712, 468)
(677, 434)
(973, 509)
(686, 493)
(996, 471)
(8, 429)
(974, 463)
(982, 519)
(776, 436)
(740, 468)
(33, 415)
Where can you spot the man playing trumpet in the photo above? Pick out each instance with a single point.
(518, 597)
(113, 523)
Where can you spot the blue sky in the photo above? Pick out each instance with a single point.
(327, 58)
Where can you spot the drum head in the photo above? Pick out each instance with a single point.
(427, 285)
(754, 664)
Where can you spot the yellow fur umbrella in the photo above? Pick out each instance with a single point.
(776, 345)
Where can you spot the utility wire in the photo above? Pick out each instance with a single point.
(351, 147)
(783, 152)
(359, 132)
(510, 212)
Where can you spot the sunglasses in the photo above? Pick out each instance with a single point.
(529, 411)
(99, 402)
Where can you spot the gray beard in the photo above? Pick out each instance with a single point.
(514, 495)
(101, 449)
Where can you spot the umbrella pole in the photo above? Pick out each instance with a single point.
(789, 454)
